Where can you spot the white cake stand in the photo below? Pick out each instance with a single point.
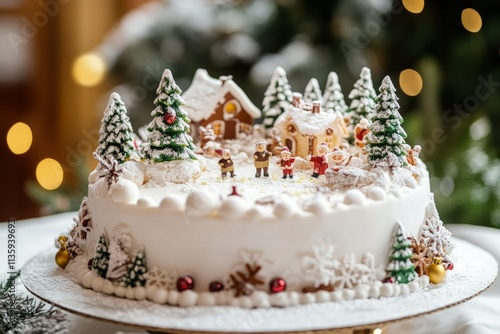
(475, 271)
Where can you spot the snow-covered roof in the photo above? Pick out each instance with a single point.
(205, 92)
(307, 123)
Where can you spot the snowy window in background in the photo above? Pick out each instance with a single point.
(231, 109)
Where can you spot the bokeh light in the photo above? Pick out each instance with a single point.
(49, 174)
(19, 138)
(89, 69)
(410, 82)
(414, 6)
(377, 331)
(471, 20)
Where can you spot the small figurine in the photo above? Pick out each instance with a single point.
(286, 162)
(261, 159)
(340, 158)
(360, 131)
(412, 154)
(226, 164)
(320, 161)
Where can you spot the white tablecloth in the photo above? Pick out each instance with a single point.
(480, 315)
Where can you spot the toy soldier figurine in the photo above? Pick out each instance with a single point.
(320, 161)
(286, 162)
(226, 164)
(261, 159)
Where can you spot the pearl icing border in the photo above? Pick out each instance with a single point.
(78, 268)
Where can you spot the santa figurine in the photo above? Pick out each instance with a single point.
(261, 159)
(286, 163)
(339, 158)
(226, 164)
(319, 160)
(360, 131)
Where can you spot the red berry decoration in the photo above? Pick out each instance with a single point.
(90, 263)
(277, 285)
(170, 118)
(216, 286)
(185, 283)
(388, 280)
(450, 266)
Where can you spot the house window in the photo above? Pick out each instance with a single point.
(218, 127)
(231, 109)
(291, 128)
(245, 128)
(329, 131)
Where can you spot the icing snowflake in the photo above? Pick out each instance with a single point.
(367, 270)
(348, 273)
(320, 268)
(161, 278)
(254, 259)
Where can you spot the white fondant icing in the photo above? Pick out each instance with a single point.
(145, 202)
(199, 203)
(124, 191)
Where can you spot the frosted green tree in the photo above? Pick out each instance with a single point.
(169, 137)
(333, 99)
(115, 134)
(362, 98)
(277, 97)
(400, 266)
(385, 141)
(101, 256)
(137, 269)
(312, 91)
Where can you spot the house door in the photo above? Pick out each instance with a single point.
(290, 143)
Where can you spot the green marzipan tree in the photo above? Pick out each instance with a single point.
(400, 266)
(136, 270)
(101, 256)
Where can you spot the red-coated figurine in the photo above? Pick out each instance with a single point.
(320, 160)
(286, 163)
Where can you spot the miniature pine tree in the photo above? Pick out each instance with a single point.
(385, 142)
(115, 134)
(137, 269)
(101, 256)
(312, 91)
(118, 252)
(400, 266)
(277, 97)
(362, 98)
(169, 137)
(333, 99)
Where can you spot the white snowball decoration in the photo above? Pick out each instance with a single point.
(260, 299)
(139, 293)
(374, 291)
(255, 214)
(354, 197)
(129, 294)
(150, 291)
(279, 299)
(171, 204)
(294, 298)
(362, 292)
(376, 194)
(413, 286)
(405, 290)
(336, 296)
(134, 171)
(187, 298)
(348, 294)
(319, 206)
(199, 203)
(285, 208)
(124, 191)
(206, 299)
(233, 207)
(82, 274)
(396, 290)
(160, 296)
(307, 298)
(120, 291)
(98, 284)
(145, 202)
(424, 281)
(173, 297)
(322, 296)
(386, 290)
(108, 287)
(88, 279)
(245, 302)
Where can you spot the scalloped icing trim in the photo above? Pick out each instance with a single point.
(259, 299)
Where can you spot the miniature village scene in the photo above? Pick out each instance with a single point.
(212, 134)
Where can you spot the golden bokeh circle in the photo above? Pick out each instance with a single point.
(49, 174)
(411, 82)
(19, 138)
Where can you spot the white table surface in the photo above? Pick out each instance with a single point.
(480, 315)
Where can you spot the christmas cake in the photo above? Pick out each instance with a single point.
(321, 202)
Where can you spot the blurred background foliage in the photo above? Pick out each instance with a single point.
(450, 101)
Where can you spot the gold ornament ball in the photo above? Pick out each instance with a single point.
(62, 258)
(436, 271)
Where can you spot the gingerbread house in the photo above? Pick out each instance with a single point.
(302, 129)
(221, 104)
